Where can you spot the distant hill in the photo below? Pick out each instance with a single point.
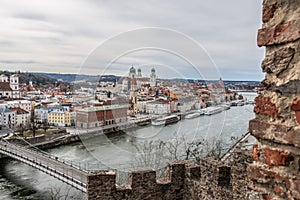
(77, 77)
(25, 77)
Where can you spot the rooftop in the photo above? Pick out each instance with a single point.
(99, 108)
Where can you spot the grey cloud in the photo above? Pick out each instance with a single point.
(63, 33)
(30, 16)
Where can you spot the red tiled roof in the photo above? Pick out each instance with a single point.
(18, 110)
(5, 86)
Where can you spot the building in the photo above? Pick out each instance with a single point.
(98, 116)
(158, 107)
(7, 117)
(23, 104)
(5, 89)
(59, 118)
(42, 114)
(153, 78)
(22, 117)
(9, 86)
(140, 80)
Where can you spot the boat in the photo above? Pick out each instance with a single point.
(213, 110)
(165, 120)
(240, 103)
(225, 106)
(194, 115)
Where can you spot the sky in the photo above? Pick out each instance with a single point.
(189, 39)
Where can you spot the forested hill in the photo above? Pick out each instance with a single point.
(25, 77)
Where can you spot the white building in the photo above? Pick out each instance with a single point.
(22, 117)
(7, 117)
(23, 104)
(152, 78)
(158, 107)
(9, 86)
(14, 84)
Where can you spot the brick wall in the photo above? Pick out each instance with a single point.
(275, 172)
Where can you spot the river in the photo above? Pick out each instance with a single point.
(19, 181)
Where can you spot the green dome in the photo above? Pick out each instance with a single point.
(153, 70)
(132, 70)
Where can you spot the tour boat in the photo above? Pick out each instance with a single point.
(225, 106)
(194, 115)
(213, 110)
(165, 120)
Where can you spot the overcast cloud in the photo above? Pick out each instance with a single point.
(59, 36)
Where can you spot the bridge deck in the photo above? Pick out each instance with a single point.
(49, 164)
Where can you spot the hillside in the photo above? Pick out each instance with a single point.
(77, 77)
(25, 77)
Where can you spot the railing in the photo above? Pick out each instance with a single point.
(237, 144)
(62, 170)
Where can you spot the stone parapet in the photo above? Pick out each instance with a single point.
(210, 179)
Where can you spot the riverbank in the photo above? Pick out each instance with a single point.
(71, 135)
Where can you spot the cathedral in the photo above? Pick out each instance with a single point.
(136, 80)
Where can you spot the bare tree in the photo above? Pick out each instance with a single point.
(45, 125)
(63, 193)
(156, 153)
(204, 148)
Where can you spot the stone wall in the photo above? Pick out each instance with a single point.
(275, 172)
(211, 179)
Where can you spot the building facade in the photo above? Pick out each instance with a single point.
(59, 118)
(7, 117)
(158, 107)
(9, 86)
(22, 117)
(99, 116)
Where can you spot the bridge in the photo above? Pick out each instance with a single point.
(237, 145)
(65, 171)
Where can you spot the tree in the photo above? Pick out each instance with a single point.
(21, 129)
(63, 193)
(45, 125)
(33, 123)
(156, 153)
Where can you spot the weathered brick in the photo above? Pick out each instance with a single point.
(255, 152)
(275, 157)
(267, 197)
(278, 61)
(296, 107)
(264, 106)
(259, 174)
(275, 132)
(279, 191)
(281, 33)
(294, 186)
(291, 87)
(268, 13)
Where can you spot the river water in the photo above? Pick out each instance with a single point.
(118, 151)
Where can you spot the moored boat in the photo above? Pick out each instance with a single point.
(225, 106)
(213, 110)
(165, 120)
(194, 115)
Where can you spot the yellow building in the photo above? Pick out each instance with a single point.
(59, 118)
